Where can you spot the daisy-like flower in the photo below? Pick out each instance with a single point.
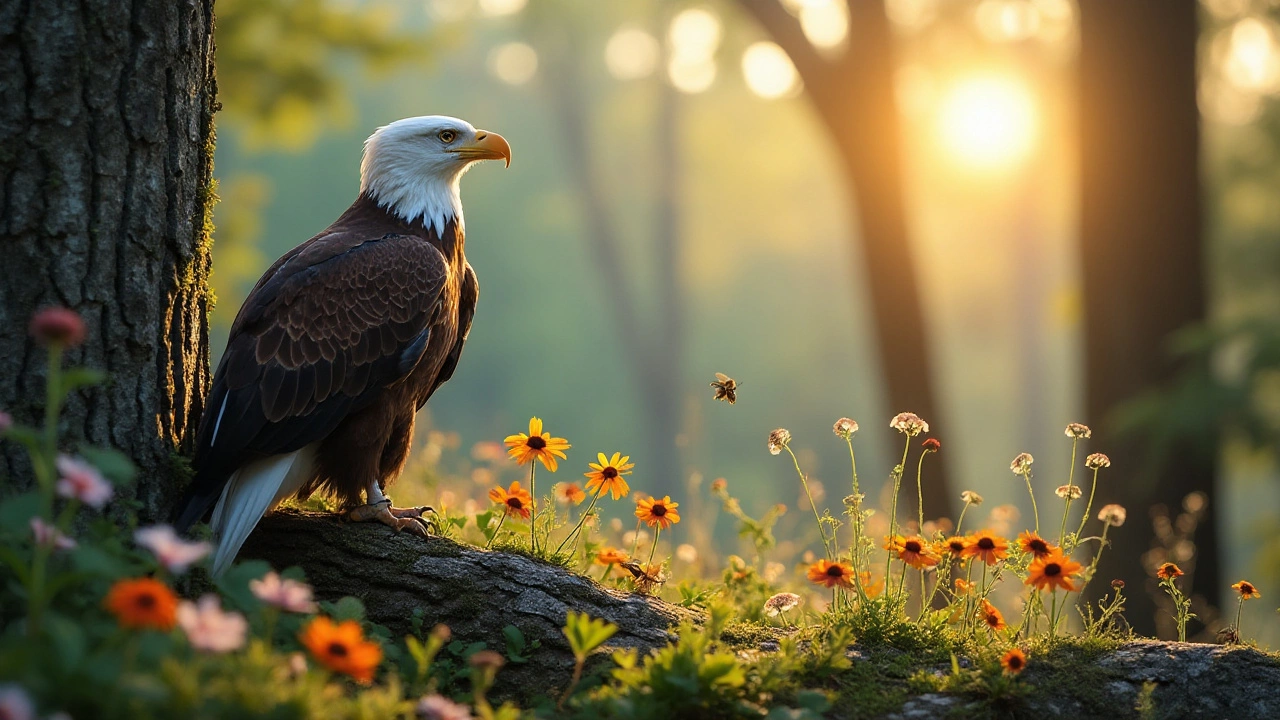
(778, 440)
(47, 535)
(971, 498)
(845, 427)
(831, 574)
(82, 481)
(1077, 431)
(142, 603)
(1064, 491)
(991, 616)
(909, 424)
(1097, 461)
(172, 552)
(1168, 571)
(1014, 662)
(288, 595)
(913, 551)
(932, 445)
(341, 647)
(611, 556)
(1246, 589)
(15, 703)
(537, 445)
(954, 546)
(987, 547)
(57, 325)
(657, 513)
(606, 475)
(438, 707)
(1021, 464)
(210, 629)
(1031, 543)
(515, 500)
(780, 603)
(1113, 515)
(569, 494)
(1053, 571)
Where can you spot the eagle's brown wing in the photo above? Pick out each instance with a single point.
(327, 328)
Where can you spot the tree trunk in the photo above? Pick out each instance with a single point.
(106, 155)
(853, 95)
(1143, 258)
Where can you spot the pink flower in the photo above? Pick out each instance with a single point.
(6, 421)
(438, 707)
(288, 595)
(82, 481)
(173, 553)
(50, 537)
(57, 325)
(209, 628)
(15, 703)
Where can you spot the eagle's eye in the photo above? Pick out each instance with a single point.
(448, 136)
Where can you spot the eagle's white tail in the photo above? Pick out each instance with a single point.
(250, 493)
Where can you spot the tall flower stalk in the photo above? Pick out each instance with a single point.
(779, 440)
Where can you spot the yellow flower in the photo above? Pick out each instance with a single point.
(537, 445)
(1246, 589)
(514, 500)
(658, 513)
(606, 475)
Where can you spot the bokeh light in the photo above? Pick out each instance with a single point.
(691, 75)
(987, 122)
(1007, 20)
(694, 35)
(502, 7)
(1252, 62)
(631, 54)
(768, 70)
(825, 23)
(450, 10)
(513, 63)
(911, 14)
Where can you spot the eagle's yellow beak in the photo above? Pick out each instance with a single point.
(487, 146)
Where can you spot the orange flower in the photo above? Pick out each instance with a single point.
(570, 494)
(915, 552)
(1246, 589)
(537, 445)
(606, 475)
(1014, 662)
(341, 647)
(143, 603)
(963, 587)
(514, 500)
(987, 547)
(1030, 542)
(1053, 571)
(831, 574)
(953, 546)
(872, 589)
(991, 616)
(658, 513)
(1168, 571)
(611, 556)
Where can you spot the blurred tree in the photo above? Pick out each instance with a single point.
(106, 118)
(851, 89)
(1143, 261)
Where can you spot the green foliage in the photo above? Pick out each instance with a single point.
(585, 634)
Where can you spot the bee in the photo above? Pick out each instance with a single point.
(726, 388)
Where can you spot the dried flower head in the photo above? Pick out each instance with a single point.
(209, 628)
(1097, 461)
(172, 552)
(719, 485)
(932, 445)
(1065, 491)
(845, 427)
(1021, 464)
(1168, 571)
(82, 481)
(438, 707)
(971, 498)
(778, 440)
(57, 325)
(854, 500)
(1246, 589)
(1014, 662)
(1113, 515)
(1118, 584)
(1078, 431)
(909, 424)
(288, 595)
(780, 603)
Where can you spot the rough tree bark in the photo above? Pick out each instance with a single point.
(106, 155)
(852, 92)
(1143, 259)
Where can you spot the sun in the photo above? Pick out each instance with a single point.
(987, 122)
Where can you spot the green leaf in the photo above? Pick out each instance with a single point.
(515, 644)
(585, 634)
(348, 608)
(16, 512)
(78, 377)
(113, 464)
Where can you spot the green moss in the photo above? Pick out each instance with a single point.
(746, 634)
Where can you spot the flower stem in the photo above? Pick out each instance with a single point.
(1089, 505)
(893, 512)
(826, 546)
(496, 531)
(856, 526)
(1239, 610)
(657, 531)
(582, 519)
(533, 509)
(960, 522)
(920, 495)
(1032, 493)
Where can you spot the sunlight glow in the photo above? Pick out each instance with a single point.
(1007, 20)
(987, 122)
(691, 76)
(911, 14)
(825, 22)
(450, 10)
(1253, 62)
(694, 36)
(502, 7)
(768, 70)
(513, 63)
(631, 54)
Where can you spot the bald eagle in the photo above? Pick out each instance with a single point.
(342, 341)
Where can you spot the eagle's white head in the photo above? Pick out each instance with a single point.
(412, 166)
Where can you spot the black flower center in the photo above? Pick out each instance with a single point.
(1015, 662)
(658, 510)
(956, 546)
(1053, 569)
(1038, 546)
(537, 443)
(911, 546)
(146, 601)
(609, 473)
(515, 503)
(986, 543)
(337, 649)
(835, 571)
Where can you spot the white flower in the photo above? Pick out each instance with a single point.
(971, 498)
(438, 707)
(778, 440)
(1068, 490)
(780, 603)
(288, 595)
(845, 427)
(209, 628)
(1021, 465)
(1076, 431)
(1097, 461)
(82, 481)
(15, 704)
(909, 424)
(1113, 515)
(173, 553)
(51, 537)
